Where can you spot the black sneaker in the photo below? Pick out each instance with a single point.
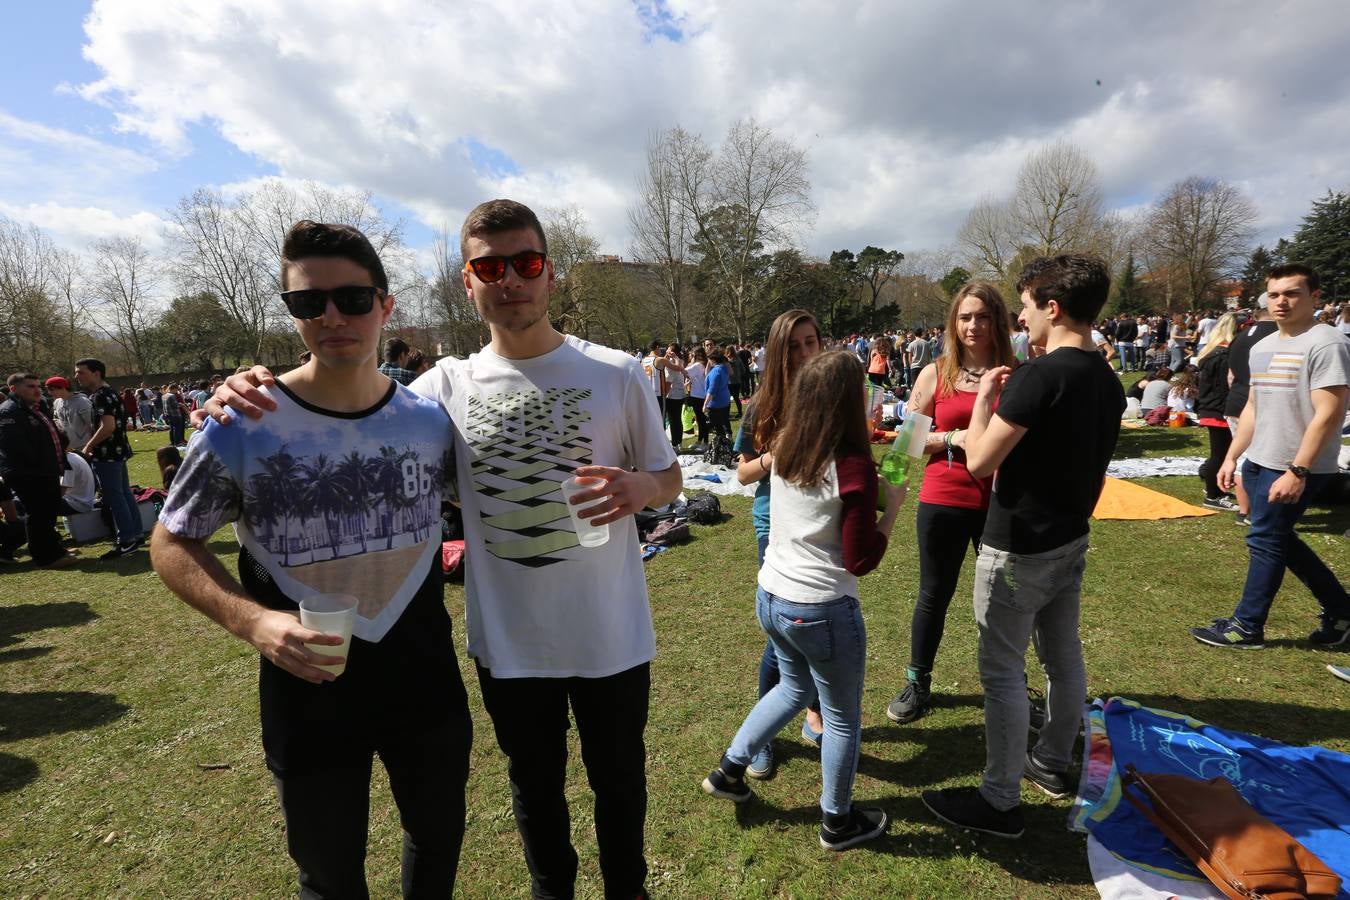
(1243, 519)
(1334, 632)
(965, 808)
(722, 785)
(912, 703)
(1228, 633)
(1221, 502)
(1036, 719)
(1052, 784)
(863, 824)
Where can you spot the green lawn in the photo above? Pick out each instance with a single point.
(115, 697)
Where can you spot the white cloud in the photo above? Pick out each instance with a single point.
(910, 112)
(78, 227)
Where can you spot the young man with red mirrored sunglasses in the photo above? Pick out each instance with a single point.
(553, 626)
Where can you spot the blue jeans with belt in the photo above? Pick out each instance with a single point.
(1273, 546)
(821, 648)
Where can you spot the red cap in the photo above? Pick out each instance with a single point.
(56, 381)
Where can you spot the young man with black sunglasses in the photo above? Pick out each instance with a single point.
(552, 625)
(338, 492)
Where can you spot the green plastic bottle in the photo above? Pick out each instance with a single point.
(895, 465)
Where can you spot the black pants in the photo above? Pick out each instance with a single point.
(877, 378)
(1220, 439)
(736, 396)
(701, 417)
(944, 532)
(720, 419)
(675, 417)
(321, 741)
(530, 718)
(41, 499)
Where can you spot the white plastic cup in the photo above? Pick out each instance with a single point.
(588, 535)
(331, 614)
(923, 425)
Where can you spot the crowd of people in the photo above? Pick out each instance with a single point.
(337, 467)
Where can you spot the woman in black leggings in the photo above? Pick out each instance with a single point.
(1212, 363)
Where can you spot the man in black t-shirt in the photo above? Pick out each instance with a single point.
(1047, 446)
(1239, 386)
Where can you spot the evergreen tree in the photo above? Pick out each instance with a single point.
(1323, 242)
(1254, 274)
(1130, 295)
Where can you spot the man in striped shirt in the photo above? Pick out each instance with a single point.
(1290, 428)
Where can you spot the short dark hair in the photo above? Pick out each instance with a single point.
(307, 239)
(717, 356)
(496, 216)
(1079, 284)
(93, 365)
(394, 348)
(19, 378)
(1293, 270)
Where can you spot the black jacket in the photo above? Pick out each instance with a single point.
(26, 448)
(1213, 385)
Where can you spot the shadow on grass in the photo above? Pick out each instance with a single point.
(26, 617)
(137, 563)
(1325, 520)
(16, 772)
(40, 713)
(19, 654)
(1138, 441)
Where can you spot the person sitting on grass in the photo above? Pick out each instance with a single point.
(1156, 388)
(1183, 391)
(168, 459)
(825, 536)
(313, 515)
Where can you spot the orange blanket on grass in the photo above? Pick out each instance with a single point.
(1126, 500)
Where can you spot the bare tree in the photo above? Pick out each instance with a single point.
(989, 236)
(1057, 205)
(214, 251)
(662, 228)
(70, 296)
(755, 194)
(1198, 233)
(123, 282)
(27, 256)
(570, 244)
(464, 328)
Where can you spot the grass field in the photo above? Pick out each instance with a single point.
(130, 761)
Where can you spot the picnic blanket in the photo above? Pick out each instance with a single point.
(1304, 790)
(1145, 467)
(696, 472)
(1125, 500)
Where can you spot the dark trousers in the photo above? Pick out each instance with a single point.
(41, 498)
(675, 417)
(1220, 439)
(321, 741)
(530, 718)
(736, 396)
(177, 430)
(701, 417)
(720, 419)
(944, 532)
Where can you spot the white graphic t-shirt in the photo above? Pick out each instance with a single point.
(1285, 372)
(326, 502)
(537, 603)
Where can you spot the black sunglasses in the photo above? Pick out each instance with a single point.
(350, 300)
(527, 263)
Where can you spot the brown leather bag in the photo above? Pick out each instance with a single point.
(1243, 853)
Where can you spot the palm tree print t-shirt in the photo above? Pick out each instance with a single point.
(326, 502)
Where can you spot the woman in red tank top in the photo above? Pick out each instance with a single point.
(952, 503)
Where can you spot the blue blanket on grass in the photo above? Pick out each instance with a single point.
(1304, 790)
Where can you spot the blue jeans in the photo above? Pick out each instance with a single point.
(821, 648)
(1273, 546)
(1125, 350)
(768, 662)
(112, 478)
(1021, 597)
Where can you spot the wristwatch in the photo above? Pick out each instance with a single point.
(1299, 471)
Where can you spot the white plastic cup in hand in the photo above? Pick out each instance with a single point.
(332, 614)
(919, 435)
(588, 535)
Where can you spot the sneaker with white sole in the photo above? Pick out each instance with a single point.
(723, 786)
(967, 808)
(762, 763)
(1341, 672)
(862, 824)
(1222, 502)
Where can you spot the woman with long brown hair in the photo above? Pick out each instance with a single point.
(794, 338)
(952, 502)
(826, 536)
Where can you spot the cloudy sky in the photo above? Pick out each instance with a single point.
(909, 111)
